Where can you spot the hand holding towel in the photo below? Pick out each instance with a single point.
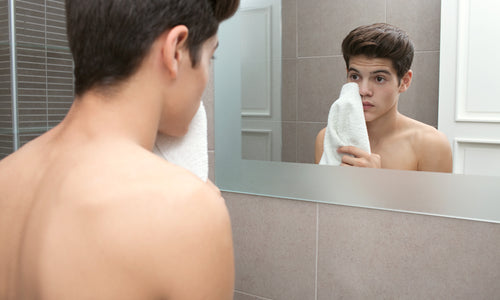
(346, 125)
(189, 151)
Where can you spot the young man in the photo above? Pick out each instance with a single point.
(378, 58)
(87, 211)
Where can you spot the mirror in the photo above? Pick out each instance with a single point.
(462, 196)
(285, 106)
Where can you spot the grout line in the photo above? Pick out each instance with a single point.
(386, 11)
(320, 56)
(317, 251)
(255, 296)
(296, 92)
(296, 29)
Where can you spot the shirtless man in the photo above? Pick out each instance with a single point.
(87, 211)
(378, 58)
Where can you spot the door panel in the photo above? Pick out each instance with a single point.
(469, 106)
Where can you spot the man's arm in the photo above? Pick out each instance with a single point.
(200, 263)
(434, 153)
(318, 149)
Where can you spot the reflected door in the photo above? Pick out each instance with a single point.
(260, 53)
(469, 105)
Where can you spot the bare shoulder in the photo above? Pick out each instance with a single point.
(168, 228)
(319, 145)
(189, 244)
(428, 136)
(431, 147)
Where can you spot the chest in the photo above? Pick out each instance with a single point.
(398, 155)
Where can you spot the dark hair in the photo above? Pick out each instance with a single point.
(380, 40)
(110, 38)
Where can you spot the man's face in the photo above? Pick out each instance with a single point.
(190, 84)
(379, 86)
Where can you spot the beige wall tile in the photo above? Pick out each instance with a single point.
(274, 244)
(306, 138)
(421, 19)
(211, 166)
(289, 90)
(244, 296)
(289, 28)
(372, 254)
(420, 101)
(323, 24)
(289, 142)
(319, 82)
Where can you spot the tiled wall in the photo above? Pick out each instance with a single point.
(6, 136)
(44, 69)
(313, 69)
(287, 249)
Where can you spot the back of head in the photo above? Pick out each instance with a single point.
(110, 38)
(380, 40)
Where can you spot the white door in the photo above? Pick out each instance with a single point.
(469, 101)
(260, 53)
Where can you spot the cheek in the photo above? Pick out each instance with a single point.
(204, 75)
(390, 94)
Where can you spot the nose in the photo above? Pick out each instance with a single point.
(365, 89)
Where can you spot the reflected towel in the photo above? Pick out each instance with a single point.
(189, 151)
(346, 125)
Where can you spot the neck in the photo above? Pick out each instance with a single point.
(131, 114)
(382, 127)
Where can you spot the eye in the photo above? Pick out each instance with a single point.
(354, 77)
(379, 79)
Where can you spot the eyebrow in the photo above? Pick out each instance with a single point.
(374, 72)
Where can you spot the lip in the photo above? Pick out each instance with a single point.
(367, 105)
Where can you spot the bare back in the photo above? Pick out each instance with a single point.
(83, 221)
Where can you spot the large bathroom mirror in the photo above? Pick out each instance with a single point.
(268, 116)
(292, 68)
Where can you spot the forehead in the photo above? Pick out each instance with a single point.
(364, 63)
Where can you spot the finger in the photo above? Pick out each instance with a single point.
(353, 151)
(349, 160)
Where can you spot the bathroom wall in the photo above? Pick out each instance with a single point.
(314, 69)
(289, 250)
(286, 249)
(299, 250)
(44, 70)
(6, 140)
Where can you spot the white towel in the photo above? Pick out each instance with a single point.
(346, 125)
(189, 151)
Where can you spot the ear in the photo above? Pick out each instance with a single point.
(406, 81)
(174, 49)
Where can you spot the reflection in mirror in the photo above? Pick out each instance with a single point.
(313, 70)
(469, 118)
(282, 113)
(260, 52)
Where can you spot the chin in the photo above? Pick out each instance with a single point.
(368, 118)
